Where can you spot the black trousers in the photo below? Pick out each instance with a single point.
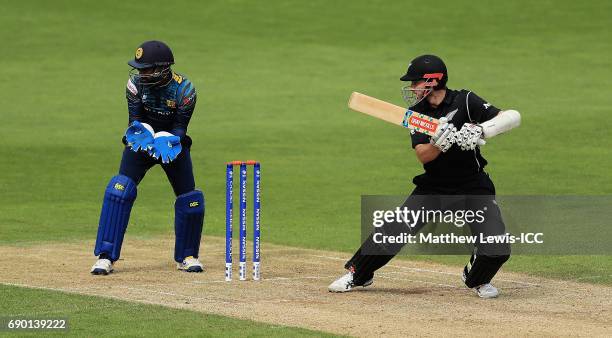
(474, 193)
(179, 172)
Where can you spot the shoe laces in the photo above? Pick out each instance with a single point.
(485, 287)
(104, 262)
(190, 260)
(349, 280)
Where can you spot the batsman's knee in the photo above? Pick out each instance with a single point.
(189, 211)
(119, 197)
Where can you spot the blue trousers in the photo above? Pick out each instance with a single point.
(179, 172)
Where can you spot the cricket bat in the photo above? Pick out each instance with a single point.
(394, 114)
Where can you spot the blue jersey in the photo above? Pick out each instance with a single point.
(165, 108)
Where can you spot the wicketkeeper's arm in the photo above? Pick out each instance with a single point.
(186, 105)
(135, 105)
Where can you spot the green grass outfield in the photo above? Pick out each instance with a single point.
(97, 317)
(273, 80)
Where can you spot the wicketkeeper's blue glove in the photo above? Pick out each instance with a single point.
(165, 146)
(139, 136)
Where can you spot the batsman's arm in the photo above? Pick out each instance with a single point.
(504, 121)
(491, 119)
(426, 152)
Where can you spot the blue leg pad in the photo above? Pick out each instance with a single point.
(118, 200)
(188, 224)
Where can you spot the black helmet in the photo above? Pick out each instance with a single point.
(151, 54)
(151, 64)
(427, 67)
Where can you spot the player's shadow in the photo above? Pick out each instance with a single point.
(411, 291)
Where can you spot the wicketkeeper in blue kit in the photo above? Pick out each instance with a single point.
(160, 105)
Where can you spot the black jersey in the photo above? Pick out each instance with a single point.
(459, 107)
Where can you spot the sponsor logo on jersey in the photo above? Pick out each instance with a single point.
(177, 78)
(131, 87)
(157, 111)
(187, 99)
(171, 103)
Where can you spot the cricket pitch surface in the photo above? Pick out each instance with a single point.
(406, 299)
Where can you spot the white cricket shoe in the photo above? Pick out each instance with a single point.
(485, 290)
(190, 264)
(345, 283)
(103, 266)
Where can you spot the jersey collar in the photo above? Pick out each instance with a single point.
(449, 96)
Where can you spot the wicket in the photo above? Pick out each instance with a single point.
(229, 218)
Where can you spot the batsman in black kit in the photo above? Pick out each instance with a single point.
(453, 166)
(160, 105)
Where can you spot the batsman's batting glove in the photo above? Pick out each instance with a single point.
(139, 136)
(165, 146)
(469, 137)
(445, 136)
